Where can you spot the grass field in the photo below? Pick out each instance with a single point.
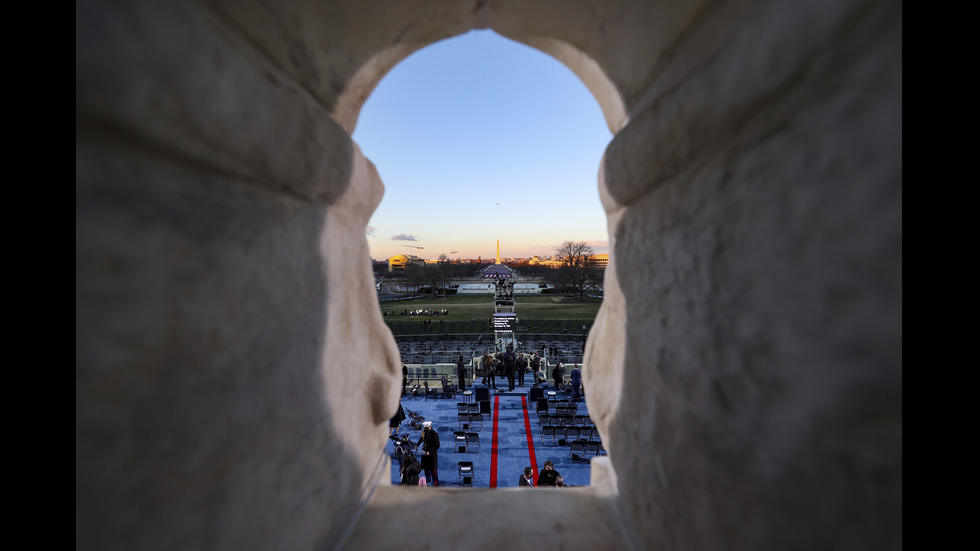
(469, 314)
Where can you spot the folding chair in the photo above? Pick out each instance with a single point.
(548, 431)
(465, 472)
(592, 447)
(459, 441)
(415, 420)
(534, 393)
(416, 391)
(481, 393)
(542, 406)
(560, 436)
(572, 434)
(485, 408)
(473, 439)
(476, 419)
(429, 391)
(576, 449)
(448, 389)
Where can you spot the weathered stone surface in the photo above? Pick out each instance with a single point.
(177, 80)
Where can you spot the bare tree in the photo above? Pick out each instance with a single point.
(574, 270)
(414, 275)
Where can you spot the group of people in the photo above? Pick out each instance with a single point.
(549, 476)
(425, 472)
(513, 366)
(411, 470)
(558, 376)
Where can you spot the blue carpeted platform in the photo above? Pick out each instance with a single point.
(513, 450)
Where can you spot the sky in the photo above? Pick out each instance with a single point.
(479, 138)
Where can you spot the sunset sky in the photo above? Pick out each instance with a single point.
(479, 138)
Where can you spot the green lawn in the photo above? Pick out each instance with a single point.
(469, 314)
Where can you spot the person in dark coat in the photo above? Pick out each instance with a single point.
(576, 383)
(527, 478)
(558, 375)
(548, 475)
(461, 373)
(510, 369)
(396, 420)
(490, 368)
(410, 470)
(535, 364)
(430, 453)
(521, 369)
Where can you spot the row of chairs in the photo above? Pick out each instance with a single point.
(569, 434)
(446, 390)
(583, 448)
(545, 406)
(472, 421)
(465, 439)
(419, 373)
(481, 408)
(564, 409)
(565, 420)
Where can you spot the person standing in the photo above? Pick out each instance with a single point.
(430, 453)
(527, 479)
(396, 420)
(491, 371)
(404, 378)
(576, 383)
(535, 366)
(510, 369)
(521, 369)
(461, 373)
(558, 375)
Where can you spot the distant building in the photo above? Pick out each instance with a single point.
(593, 261)
(398, 262)
(547, 261)
(597, 261)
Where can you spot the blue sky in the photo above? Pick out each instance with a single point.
(479, 138)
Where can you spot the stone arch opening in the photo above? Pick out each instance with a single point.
(466, 207)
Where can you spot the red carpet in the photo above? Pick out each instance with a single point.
(493, 444)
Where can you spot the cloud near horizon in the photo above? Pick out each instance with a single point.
(369, 231)
(403, 237)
